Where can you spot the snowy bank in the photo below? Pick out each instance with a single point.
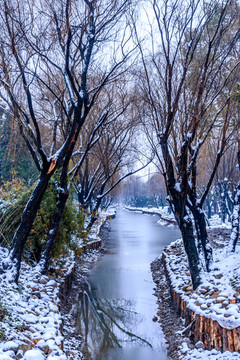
(30, 318)
(212, 312)
(165, 217)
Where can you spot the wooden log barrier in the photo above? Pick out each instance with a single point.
(91, 246)
(204, 329)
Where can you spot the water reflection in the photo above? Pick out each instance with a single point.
(106, 323)
(116, 308)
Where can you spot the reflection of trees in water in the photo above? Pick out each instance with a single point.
(103, 323)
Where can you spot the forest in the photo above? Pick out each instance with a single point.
(116, 102)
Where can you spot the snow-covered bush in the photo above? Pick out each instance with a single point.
(14, 198)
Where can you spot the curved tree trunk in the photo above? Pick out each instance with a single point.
(20, 237)
(54, 229)
(63, 194)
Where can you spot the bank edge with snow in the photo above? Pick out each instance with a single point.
(212, 312)
(30, 318)
(165, 217)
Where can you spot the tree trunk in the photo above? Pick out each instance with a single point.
(25, 226)
(209, 207)
(63, 194)
(54, 229)
(94, 214)
(236, 211)
(222, 202)
(235, 221)
(202, 235)
(186, 228)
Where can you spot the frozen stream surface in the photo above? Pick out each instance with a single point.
(117, 308)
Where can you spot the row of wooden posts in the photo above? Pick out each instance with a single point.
(203, 328)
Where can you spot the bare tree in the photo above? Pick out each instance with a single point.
(111, 160)
(185, 85)
(87, 139)
(49, 54)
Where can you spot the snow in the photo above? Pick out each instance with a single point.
(5, 357)
(33, 355)
(188, 354)
(165, 217)
(32, 322)
(32, 309)
(216, 222)
(26, 307)
(216, 297)
(10, 345)
(93, 235)
(178, 186)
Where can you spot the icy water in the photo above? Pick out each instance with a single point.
(117, 308)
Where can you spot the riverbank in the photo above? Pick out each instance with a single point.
(31, 319)
(166, 217)
(210, 320)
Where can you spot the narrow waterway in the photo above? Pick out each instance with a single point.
(118, 305)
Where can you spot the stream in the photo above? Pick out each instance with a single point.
(117, 307)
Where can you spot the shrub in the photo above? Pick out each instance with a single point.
(14, 198)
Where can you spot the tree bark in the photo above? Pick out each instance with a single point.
(236, 212)
(186, 228)
(54, 229)
(222, 196)
(235, 221)
(177, 200)
(63, 194)
(209, 207)
(94, 213)
(202, 235)
(25, 226)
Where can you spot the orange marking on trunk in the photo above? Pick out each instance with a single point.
(52, 165)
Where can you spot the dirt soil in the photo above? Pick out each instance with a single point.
(172, 324)
(219, 237)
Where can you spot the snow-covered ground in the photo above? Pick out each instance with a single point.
(30, 318)
(194, 354)
(166, 218)
(216, 222)
(31, 321)
(218, 296)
